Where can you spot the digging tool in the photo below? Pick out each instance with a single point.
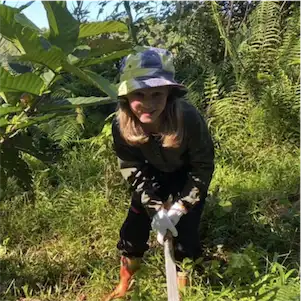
(171, 272)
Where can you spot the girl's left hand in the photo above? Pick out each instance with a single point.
(175, 212)
(162, 224)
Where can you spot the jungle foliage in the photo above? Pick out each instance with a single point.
(241, 63)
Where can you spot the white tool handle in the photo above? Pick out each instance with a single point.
(171, 272)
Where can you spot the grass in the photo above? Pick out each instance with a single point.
(64, 243)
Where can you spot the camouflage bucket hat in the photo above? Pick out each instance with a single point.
(153, 67)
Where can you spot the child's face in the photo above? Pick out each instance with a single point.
(148, 104)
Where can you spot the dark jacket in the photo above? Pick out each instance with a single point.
(195, 154)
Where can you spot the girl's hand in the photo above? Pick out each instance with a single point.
(162, 223)
(175, 212)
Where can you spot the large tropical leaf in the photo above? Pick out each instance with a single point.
(11, 98)
(24, 38)
(27, 82)
(104, 46)
(26, 143)
(51, 58)
(109, 57)
(64, 28)
(34, 120)
(7, 17)
(5, 110)
(69, 103)
(3, 122)
(100, 47)
(27, 121)
(24, 21)
(92, 78)
(25, 5)
(41, 52)
(96, 28)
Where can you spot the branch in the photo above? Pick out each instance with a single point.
(228, 27)
(131, 25)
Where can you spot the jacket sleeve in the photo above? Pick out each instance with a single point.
(136, 172)
(200, 161)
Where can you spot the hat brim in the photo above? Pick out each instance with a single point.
(129, 86)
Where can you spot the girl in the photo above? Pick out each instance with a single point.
(166, 154)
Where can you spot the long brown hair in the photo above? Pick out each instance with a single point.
(171, 129)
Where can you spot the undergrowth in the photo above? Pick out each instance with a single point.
(64, 243)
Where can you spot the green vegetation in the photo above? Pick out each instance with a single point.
(31, 91)
(240, 61)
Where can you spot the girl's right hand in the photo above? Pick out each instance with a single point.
(162, 223)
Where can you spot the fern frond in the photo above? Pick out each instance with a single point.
(289, 292)
(202, 42)
(197, 43)
(294, 55)
(67, 132)
(66, 202)
(211, 90)
(227, 116)
(296, 104)
(265, 36)
(61, 93)
(289, 51)
(63, 130)
(217, 16)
